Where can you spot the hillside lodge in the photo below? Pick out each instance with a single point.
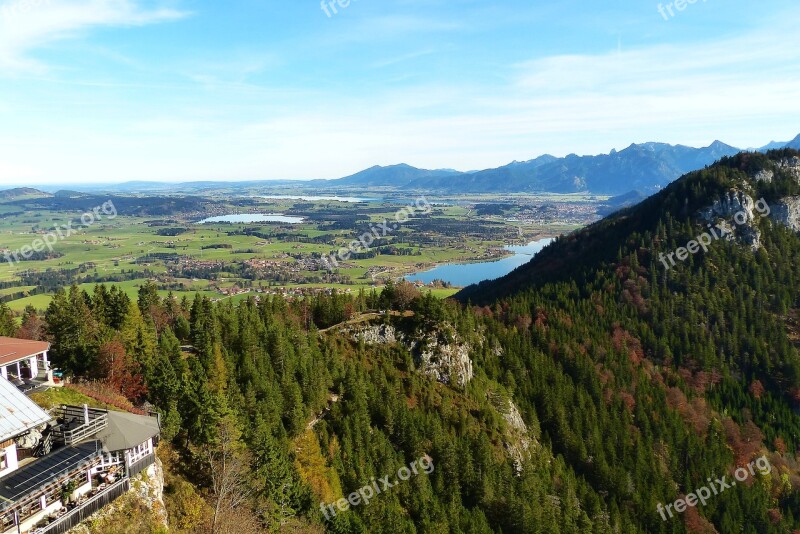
(58, 469)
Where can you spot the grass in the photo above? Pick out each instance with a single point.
(443, 293)
(12, 290)
(40, 302)
(110, 248)
(57, 396)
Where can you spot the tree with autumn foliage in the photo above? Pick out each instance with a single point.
(120, 371)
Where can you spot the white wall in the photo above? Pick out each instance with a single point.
(136, 454)
(11, 460)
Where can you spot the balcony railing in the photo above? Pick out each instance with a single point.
(45, 446)
(84, 510)
(73, 427)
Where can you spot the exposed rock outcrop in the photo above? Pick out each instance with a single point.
(380, 334)
(764, 176)
(729, 206)
(518, 441)
(147, 493)
(787, 212)
(149, 487)
(447, 362)
(741, 212)
(791, 166)
(439, 354)
(736, 208)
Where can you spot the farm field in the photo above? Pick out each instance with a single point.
(141, 239)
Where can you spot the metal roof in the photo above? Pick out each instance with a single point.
(45, 471)
(13, 350)
(126, 430)
(18, 414)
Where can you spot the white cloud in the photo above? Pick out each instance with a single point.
(744, 90)
(27, 25)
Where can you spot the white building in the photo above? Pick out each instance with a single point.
(56, 470)
(24, 363)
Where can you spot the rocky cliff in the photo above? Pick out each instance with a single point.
(439, 354)
(736, 210)
(787, 213)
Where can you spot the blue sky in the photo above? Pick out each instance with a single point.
(163, 90)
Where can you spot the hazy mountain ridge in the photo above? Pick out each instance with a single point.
(402, 173)
(742, 173)
(603, 309)
(646, 167)
(22, 192)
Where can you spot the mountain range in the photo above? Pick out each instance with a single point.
(645, 167)
(684, 369)
(734, 181)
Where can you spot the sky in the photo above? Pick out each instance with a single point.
(104, 91)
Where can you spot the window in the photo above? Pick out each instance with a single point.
(3, 460)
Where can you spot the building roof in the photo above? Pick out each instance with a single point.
(45, 471)
(18, 414)
(13, 350)
(126, 430)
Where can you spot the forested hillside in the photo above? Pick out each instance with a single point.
(599, 386)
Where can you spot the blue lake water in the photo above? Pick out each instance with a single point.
(253, 218)
(316, 198)
(464, 274)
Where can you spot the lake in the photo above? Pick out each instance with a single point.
(464, 274)
(314, 198)
(253, 218)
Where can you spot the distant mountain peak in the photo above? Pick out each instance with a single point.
(689, 196)
(719, 145)
(22, 192)
(646, 167)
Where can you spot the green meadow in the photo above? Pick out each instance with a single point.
(128, 251)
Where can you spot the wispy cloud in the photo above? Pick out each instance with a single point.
(688, 86)
(28, 25)
(400, 59)
(375, 86)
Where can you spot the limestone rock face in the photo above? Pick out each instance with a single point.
(792, 166)
(764, 176)
(518, 441)
(787, 212)
(151, 490)
(447, 362)
(736, 209)
(147, 488)
(380, 334)
(728, 206)
(440, 354)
